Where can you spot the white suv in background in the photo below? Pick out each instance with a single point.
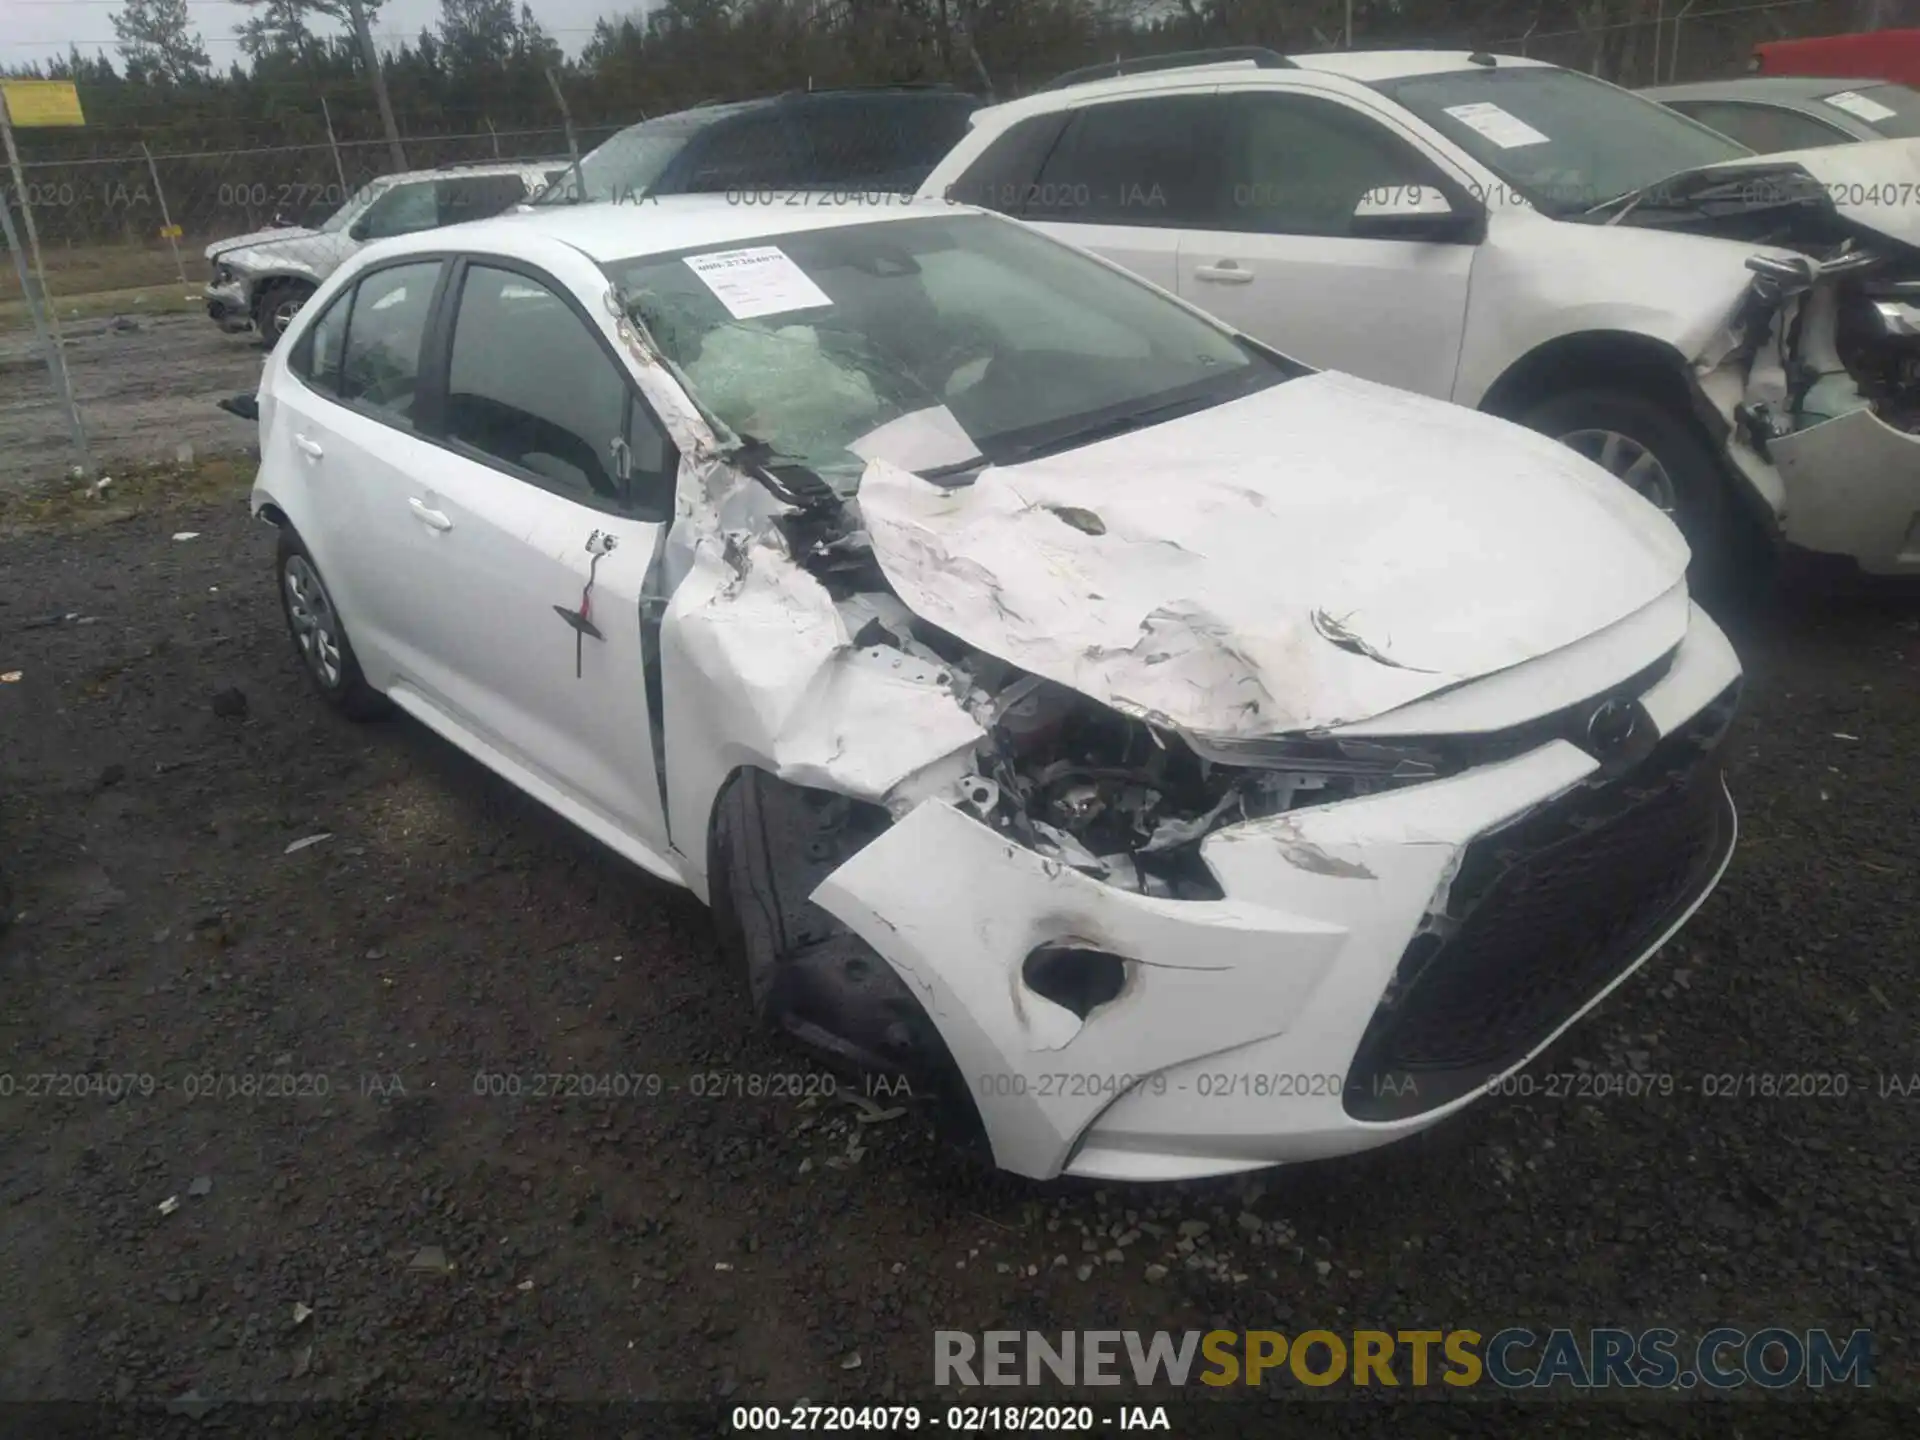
(1711, 327)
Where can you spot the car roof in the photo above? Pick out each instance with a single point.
(1762, 87)
(605, 233)
(1360, 66)
(443, 172)
(1368, 66)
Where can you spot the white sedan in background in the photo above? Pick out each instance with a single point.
(1176, 759)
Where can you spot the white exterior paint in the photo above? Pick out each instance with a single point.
(1500, 577)
(1450, 320)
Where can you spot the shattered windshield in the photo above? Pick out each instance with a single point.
(931, 343)
(1890, 110)
(627, 166)
(1565, 141)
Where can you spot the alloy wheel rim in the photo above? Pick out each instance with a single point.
(1629, 462)
(316, 629)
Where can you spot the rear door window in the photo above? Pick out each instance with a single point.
(380, 363)
(1004, 172)
(885, 141)
(1130, 162)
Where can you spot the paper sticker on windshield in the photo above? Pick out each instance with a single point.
(1854, 103)
(760, 280)
(1509, 132)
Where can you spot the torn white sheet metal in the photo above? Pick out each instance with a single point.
(774, 661)
(1270, 565)
(1216, 974)
(1853, 488)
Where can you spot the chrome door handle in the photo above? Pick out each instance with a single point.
(436, 519)
(310, 448)
(1225, 273)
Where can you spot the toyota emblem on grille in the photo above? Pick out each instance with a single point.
(1611, 726)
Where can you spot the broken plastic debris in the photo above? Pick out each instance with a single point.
(301, 1313)
(309, 840)
(170, 1204)
(1842, 735)
(11, 677)
(186, 534)
(524, 1285)
(870, 1113)
(430, 1258)
(721, 1265)
(852, 1362)
(202, 1185)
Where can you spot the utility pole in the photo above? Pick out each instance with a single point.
(370, 53)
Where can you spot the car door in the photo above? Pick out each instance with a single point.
(535, 526)
(1123, 179)
(351, 429)
(1287, 253)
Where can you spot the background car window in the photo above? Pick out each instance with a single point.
(1764, 129)
(1296, 165)
(531, 387)
(475, 197)
(754, 151)
(316, 359)
(1000, 177)
(401, 211)
(381, 361)
(1870, 103)
(1133, 162)
(883, 141)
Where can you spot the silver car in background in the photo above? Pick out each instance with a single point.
(261, 279)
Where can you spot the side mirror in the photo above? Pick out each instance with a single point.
(359, 229)
(247, 407)
(1412, 212)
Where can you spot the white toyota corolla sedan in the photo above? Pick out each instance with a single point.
(1187, 760)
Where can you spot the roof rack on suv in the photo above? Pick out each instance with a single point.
(1177, 60)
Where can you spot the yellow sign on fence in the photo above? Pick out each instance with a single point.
(42, 102)
(171, 232)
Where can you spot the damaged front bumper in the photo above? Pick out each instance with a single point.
(1852, 488)
(228, 307)
(1373, 964)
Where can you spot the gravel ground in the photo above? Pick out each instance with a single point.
(146, 385)
(160, 754)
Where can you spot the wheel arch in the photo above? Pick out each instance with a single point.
(1611, 359)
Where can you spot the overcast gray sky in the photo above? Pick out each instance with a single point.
(36, 29)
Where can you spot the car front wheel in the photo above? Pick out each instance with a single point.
(278, 304)
(319, 636)
(1659, 455)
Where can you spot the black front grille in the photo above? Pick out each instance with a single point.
(1541, 915)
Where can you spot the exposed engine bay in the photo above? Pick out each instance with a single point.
(1841, 326)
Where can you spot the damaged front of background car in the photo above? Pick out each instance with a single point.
(1812, 382)
(1054, 782)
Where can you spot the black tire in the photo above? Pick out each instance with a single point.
(1697, 497)
(804, 973)
(279, 301)
(319, 635)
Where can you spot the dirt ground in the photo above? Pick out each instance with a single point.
(146, 385)
(160, 755)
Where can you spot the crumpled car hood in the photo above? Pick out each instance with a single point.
(258, 237)
(1312, 555)
(1875, 184)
